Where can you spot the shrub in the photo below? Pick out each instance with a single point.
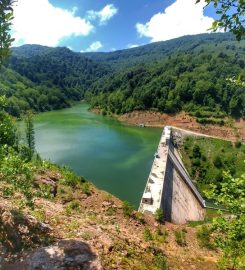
(160, 262)
(148, 235)
(86, 188)
(238, 144)
(180, 237)
(196, 151)
(73, 206)
(159, 216)
(140, 217)
(218, 162)
(128, 209)
(161, 235)
(203, 236)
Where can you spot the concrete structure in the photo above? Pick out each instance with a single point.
(169, 186)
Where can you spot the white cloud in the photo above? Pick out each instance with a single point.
(130, 46)
(104, 15)
(39, 22)
(95, 46)
(183, 17)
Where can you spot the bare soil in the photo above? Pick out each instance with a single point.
(233, 130)
(117, 241)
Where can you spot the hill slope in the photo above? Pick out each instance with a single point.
(191, 73)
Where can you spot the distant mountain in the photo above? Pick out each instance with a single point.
(158, 50)
(186, 73)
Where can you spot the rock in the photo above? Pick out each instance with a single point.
(49, 179)
(66, 254)
(11, 237)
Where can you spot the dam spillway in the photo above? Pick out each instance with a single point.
(169, 186)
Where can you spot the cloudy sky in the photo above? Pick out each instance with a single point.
(104, 25)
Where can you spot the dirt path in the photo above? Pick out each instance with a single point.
(233, 130)
(189, 132)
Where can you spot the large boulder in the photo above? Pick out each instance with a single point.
(65, 254)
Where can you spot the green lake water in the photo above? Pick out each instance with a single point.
(115, 157)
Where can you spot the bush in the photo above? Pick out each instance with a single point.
(140, 217)
(160, 262)
(74, 206)
(148, 235)
(203, 236)
(218, 162)
(180, 237)
(161, 235)
(238, 144)
(159, 216)
(86, 188)
(128, 209)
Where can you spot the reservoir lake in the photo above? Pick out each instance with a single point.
(115, 157)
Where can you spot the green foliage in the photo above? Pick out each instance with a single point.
(160, 262)
(196, 81)
(70, 178)
(204, 237)
(128, 209)
(231, 16)
(180, 237)
(86, 188)
(161, 235)
(6, 16)
(159, 215)
(238, 144)
(229, 232)
(7, 129)
(140, 217)
(213, 155)
(187, 74)
(148, 235)
(73, 206)
(15, 171)
(30, 133)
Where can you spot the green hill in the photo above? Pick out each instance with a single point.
(191, 73)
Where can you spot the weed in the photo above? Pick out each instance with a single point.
(180, 237)
(161, 235)
(111, 211)
(86, 188)
(148, 235)
(87, 236)
(140, 217)
(203, 236)
(73, 206)
(160, 262)
(128, 209)
(159, 215)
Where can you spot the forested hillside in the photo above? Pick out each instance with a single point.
(200, 83)
(43, 78)
(201, 74)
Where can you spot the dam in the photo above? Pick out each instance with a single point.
(169, 186)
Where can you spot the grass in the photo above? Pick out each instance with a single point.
(206, 158)
(204, 237)
(180, 237)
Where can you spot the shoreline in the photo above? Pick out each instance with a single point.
(234, 131)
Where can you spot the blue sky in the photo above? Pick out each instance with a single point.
(104, 25)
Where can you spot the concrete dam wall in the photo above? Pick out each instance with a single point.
(169, 186)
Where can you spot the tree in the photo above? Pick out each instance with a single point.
(6, 16)
(7, 128)
(232, 16)
(30, 134)
(229, 230)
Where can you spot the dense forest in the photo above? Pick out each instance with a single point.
(201, 74)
